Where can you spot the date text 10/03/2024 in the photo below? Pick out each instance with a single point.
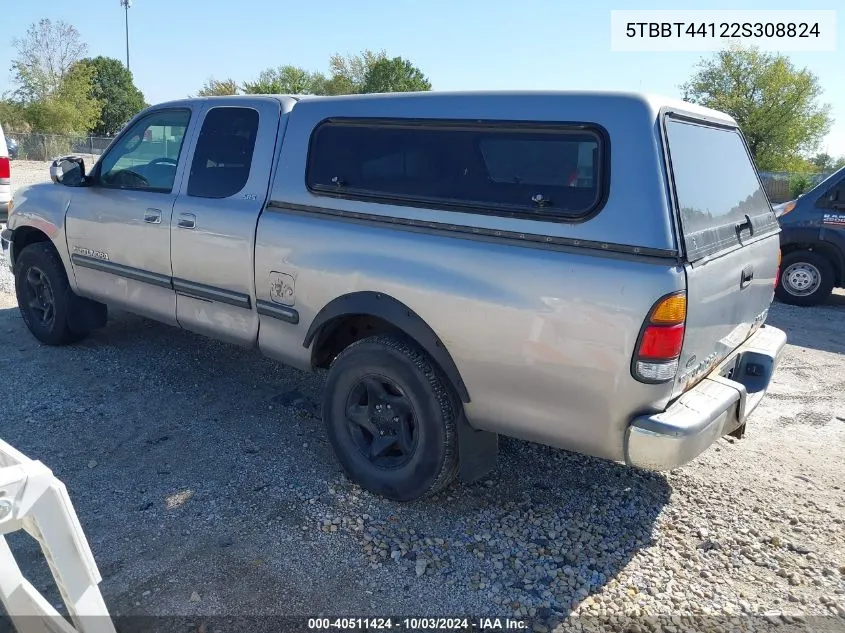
(417, 624)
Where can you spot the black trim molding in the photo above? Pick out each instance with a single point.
(180, 286)
(283, 313)
(473, 231)
(136, 274)
(211, 293)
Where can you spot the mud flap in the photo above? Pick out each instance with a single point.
(738, 432)
(477, 451)
(85, 315)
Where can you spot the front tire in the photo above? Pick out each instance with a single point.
(390, 418)
(44, 295)
(806, 279)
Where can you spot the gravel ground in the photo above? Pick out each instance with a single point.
(204, 481)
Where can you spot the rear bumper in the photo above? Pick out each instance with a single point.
(714, 407)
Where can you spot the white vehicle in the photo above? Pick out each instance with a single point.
(33, 500)
(5, 178)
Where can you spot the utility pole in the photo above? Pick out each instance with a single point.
(126, 4)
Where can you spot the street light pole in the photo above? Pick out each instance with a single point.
(126, 4)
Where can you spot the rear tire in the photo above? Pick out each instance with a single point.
(391, 418)
(806, 279)
(44, 295)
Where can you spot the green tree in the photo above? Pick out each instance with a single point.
(219, 88)
(70, 109)
(44, 56)
(286, 80)
(394, 75)
(798, 184)
(339, 85)
(112, 86)
(825, 162)
(13, 116)
(349, 71)
(775, 103)
(795, 164)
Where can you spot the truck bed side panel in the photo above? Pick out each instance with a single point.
(537, 334)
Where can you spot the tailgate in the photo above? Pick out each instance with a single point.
(731, 242)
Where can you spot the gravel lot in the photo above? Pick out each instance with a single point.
(202, 476)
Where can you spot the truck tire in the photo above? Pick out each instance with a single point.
(391, 418)
(806, 279)
(44, 295)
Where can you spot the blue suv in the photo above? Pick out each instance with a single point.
(813, 243)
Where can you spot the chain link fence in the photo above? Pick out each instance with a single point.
(49, 146)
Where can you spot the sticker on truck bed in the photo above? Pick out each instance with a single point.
(837, 219)
(282, 288)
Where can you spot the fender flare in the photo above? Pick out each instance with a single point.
(399, 315)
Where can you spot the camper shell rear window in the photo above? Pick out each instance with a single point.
(718, 194)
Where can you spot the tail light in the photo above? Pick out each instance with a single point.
(777, 272)
(5, 170)
(661, 339)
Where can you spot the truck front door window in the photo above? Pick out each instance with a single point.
(147, 155)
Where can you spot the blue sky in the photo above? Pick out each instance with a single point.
(175, 45)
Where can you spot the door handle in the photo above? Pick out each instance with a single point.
(153, 216)
(747, 276)
(747, 224)
(187, 221)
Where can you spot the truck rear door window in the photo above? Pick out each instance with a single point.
(223, 156)
(549, 173)
(716, 187)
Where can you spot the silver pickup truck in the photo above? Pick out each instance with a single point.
(586, 270)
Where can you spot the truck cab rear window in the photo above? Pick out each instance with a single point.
(544, 173)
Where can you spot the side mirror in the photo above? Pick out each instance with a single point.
(68, 171)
